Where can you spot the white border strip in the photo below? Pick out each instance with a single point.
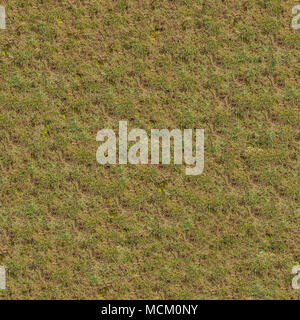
(2, 18)
(2, 278)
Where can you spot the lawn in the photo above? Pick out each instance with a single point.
(71, 228)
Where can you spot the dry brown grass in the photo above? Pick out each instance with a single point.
(70, 228)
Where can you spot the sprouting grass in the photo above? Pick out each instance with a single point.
(73, 229)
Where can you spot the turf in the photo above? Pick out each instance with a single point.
(71, 228)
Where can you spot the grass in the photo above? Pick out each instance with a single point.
(73, 229)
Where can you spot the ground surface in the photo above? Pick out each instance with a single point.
(71, 228)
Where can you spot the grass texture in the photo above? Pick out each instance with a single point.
(73, 229)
